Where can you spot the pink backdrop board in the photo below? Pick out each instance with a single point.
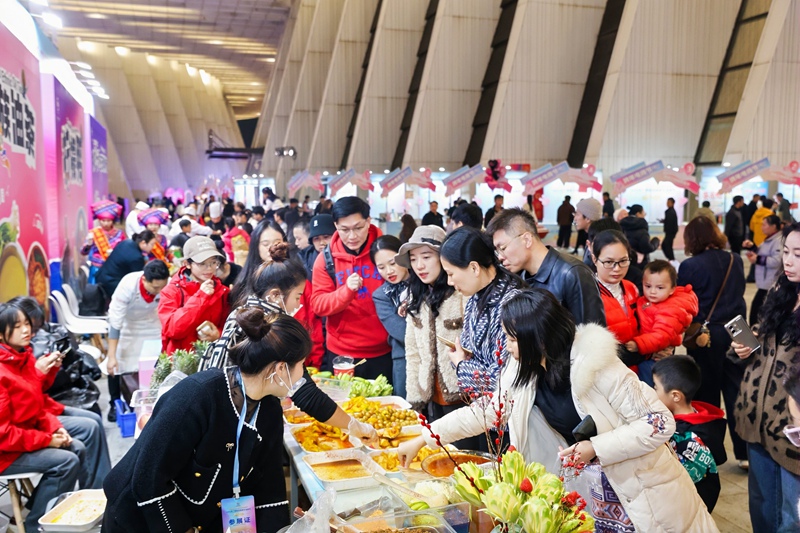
(24, 267)
(71, 174)
(98, 155)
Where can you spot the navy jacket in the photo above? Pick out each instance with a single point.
(705, 273)
(126, 257)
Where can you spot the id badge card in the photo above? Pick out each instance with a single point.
(239, 515)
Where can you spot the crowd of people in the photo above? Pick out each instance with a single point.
(465, 301)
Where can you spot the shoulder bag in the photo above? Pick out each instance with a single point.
(697, 335)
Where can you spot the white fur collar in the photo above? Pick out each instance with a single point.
(593, 350)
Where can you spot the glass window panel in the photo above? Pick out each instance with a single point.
(746, 42)
(756, 7)
(730, 95)
(719, 131)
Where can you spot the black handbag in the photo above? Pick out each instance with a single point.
(697, 335)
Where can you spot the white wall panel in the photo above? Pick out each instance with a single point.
(389, 74)
(451, 83)
(279, 123)
(310, 86)
(344, 75)
(661, 79)
(767, 123)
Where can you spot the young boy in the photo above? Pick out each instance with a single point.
(664, 312)
(699, 427)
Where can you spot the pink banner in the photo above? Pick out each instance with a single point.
(71, 172)
(98, 155)
(24, 267)
(683, 177)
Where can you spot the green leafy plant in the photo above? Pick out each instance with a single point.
(182, 360)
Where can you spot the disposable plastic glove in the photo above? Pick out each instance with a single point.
(363, 431)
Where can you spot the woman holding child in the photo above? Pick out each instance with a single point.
(557, 375)
(762, 410)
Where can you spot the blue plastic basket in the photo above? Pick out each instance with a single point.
(126, 419)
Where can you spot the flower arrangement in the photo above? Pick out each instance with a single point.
(520, 497)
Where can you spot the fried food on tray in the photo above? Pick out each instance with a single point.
(319, 437)
(378, 415)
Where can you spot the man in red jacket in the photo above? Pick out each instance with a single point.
(193, 298)
(354, 328)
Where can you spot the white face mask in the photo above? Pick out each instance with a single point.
(283, 306)
(290, 390)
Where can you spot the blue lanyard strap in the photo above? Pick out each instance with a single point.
(242, 416)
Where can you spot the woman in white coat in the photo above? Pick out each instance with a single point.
(551, 361)
(132, 320)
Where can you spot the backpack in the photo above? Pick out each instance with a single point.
(329, 264)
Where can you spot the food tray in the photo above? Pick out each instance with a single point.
(298, 427)
(349, 499)
(293, 411)
(414, 467)
(47, 521)
(395, 401)
(342, 455)
(406, 430)
(420, 522)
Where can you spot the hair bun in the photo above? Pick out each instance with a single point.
(253, 322)
(279, 252)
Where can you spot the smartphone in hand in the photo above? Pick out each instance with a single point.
(741, 333)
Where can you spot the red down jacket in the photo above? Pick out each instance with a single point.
(662, 325)
(621, 322)
(27, 422)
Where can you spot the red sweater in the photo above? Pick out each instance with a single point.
(183, 307)
(662, 325)
(27, 422)
(621, 322)
(353, 325)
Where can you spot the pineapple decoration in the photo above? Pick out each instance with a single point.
(186, 361)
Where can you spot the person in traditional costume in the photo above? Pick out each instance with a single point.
(155, 220)
(102, 239)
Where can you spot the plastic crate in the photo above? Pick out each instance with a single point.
(126, 419)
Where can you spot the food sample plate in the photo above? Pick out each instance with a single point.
(295, 417)
(391, 438)
(343, 469)
(318, 437)
(389, 460)
(81, 511)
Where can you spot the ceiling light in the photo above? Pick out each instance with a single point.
(255, 83)
(325, 173)
(441, 169)
(251, 99)
(153, 60)
(190, 70)
(40, 2)
(726, 164)
(205, 76)
(508, 167)
(92, 83)
(86, 74)
(216, 42)
(85, 46)
(422, 169)
(51, 19)
(83, 66)
(97, 16)
(386, 171)
(121, 50)
(261, 175)
(270, 60)
(586, 165)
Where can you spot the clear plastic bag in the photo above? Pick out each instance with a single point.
(319, 517)
(170, 381)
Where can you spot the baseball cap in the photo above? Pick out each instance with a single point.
(321, 225)
(200, 248)
(431, 236)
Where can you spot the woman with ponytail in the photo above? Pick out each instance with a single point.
(472, 267)
(182, 467)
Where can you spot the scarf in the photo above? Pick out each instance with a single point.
(100, 238)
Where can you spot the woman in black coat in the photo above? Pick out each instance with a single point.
(705, 271)
(181, 467)
(636, 229)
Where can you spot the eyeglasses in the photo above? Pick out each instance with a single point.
(344, 232)
(214, 264)
(501, 250)
(793, 434)
(611, 265)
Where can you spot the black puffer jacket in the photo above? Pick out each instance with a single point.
(637, 231)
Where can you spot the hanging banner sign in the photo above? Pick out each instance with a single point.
(422, 179)
(789, 175)
(315, 182)
(684, 177)
(542, 176)
(741, 173)
(462, 177)
(296, 182)
(340, 181)
(363, 181)
(99, 158)
(633, 175)
(584, 177)
(393, 180)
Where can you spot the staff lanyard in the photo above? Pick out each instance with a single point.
(242, 416)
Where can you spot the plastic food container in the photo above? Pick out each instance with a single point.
(352, 498)
(422, 521)
(337, 389)
(143, 402)
(345, 455)
(88, 507)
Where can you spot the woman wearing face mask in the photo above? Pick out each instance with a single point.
(215, 435)
(33, 427)
(761, 412)
(390, 303)
(278, 287)
(559, 373)
(266, 235)
(468, 258)
(194, 304)
(435, 311)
